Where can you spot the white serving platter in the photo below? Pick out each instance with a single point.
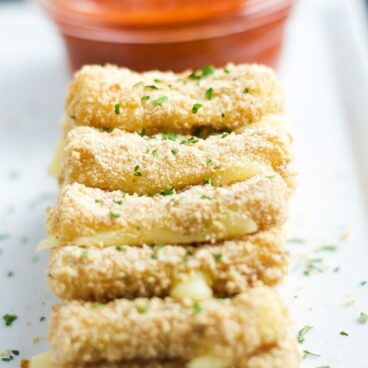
(324, 73)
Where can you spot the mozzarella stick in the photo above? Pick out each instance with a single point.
(158, 329)
(225, 269)
(148, 165)
(284, 355)
(92, 217)
(111, 97)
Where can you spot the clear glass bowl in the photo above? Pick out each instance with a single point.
(167, 34)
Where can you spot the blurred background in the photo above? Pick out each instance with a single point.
(319, 49)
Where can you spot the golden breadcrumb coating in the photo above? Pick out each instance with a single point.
(284, 355)
(90, 216)
(104, 274)
(111, 97)
(165, 329)
(150, 164)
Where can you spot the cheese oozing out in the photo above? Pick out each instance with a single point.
(209, 361)
(42, 360)
(196, 286)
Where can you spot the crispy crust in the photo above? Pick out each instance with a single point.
(131, 272)
(198, 214)
(284, 355)
(165, 329)
(96, 90)
(108, 160)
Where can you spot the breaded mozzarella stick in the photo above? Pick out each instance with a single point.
(92, 217)
(284, 355)
(156, 329)
(225, 269)
(148, 165)
(111, 97)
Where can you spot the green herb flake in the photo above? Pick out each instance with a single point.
(207, 70)
(343, 333)
(117, 201)
(84, 254)
(189, 141)
(160, 101)
(225, 134)
(226, 71)
(4, 236)
(302, 333)
(312, 266)
(98, 201)
(169, 136)
(196, 308)
(246, 91)
(207, 181)
(217, 257)
(209, 93)
(114, 215)
(336, 269)
(141, 310)
(10, 274)
(363, 318)
(209, 161)
(168, 191)
(309, 354)
(362, 283)
(174, 152)
(151, 87)
(328, 248)
(196, 107)
(9, 319)
(204, 196)
(145, 98)
(43, 318)
(117, 109)
(120, 248)
(137, 171)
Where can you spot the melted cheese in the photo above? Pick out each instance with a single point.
(54, 168)
(42, 360)
(195, 287)
(209, 361)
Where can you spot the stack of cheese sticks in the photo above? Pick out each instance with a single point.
(167, 235)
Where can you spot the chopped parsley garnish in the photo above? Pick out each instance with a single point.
(302, 333)
(328, 248)
(157, 80)
(196, 308)
(42, 319)
(191, 140)
(117, 109)
(217, 257)
(308, 354)
(98, 201)
(84, 254)
(141, 310)
(174, 152)
(142, 133)
(10, 274)
(363, 318)
(209, 93)
(343, 333)
(207, 181)
(207, 70)
(296, 240)
(145, 98)
(117, 201)
(9, 319)
(336, 269)
(10, 355)
(4, 236)
(204, 72)
(226, 71)
(246, 91)
(120, 248)
(204, 196)
(311, 266)
(224, 134)
(168, 191)
(209, 161)
(114, 214)
(169, 136)
(196, 107)
(137, 171)
(362, 283)
(161, 100)
(151, 87)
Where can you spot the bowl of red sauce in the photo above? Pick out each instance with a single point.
(169, 34)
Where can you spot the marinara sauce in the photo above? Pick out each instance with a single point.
(168, 34)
